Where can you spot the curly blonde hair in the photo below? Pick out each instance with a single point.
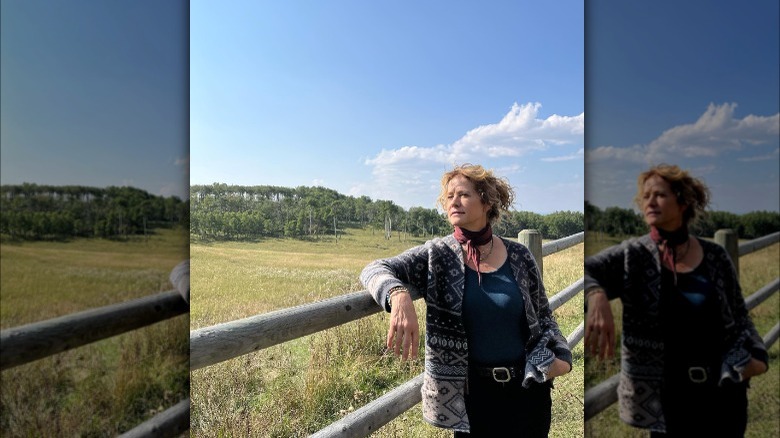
(493, 190)
(690, 191)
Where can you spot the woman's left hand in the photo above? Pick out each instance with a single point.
(558, 368)
(753, 368)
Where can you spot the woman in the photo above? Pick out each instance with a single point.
(689, 347)
(491, 343)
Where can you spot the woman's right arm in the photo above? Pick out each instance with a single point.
(382, 276)
(603, 281)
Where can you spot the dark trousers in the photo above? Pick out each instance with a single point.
(507, 409)
(704, 410)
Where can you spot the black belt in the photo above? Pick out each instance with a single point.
(498, 374)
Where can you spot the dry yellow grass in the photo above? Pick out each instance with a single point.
(109, 386)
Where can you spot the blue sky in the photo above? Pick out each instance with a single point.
(94, 93)
(380, 98)
(692, 83)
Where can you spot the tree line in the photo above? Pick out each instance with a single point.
(234, 212)
(617, 221)
(35, 212)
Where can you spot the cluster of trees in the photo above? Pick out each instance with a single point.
(231, 212)
(33, 212)
(555, 225)
(617, 221)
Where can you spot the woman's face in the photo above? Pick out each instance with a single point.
(464, 205)
(659, 204)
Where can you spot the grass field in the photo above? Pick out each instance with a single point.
(756, 270)
(299, 387)
(103, 388)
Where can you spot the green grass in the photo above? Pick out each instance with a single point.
(299, 387)
(109, 386)
(756, 270)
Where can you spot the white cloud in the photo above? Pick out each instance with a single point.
(769, 156)
(715, 132)
(438, 154)
(512, 169)
(415, 170)
(633, 154)
(520, 132)
(569, 157)
(704, 170)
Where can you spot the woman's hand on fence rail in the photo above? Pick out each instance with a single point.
(403, 337)
(599, 326)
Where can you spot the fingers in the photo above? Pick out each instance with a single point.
(592, 334)
(588, 333)
(403, 335)
(600, 341)
(407, 344)
(608, 341)
(599, 328)
(404, 343)
(399, 335)
(411, 342)
(603, 343)
(390, 337)
(415, 344)
(588, 329)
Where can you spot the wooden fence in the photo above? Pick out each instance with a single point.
(604, 394)
(23, 344)
(225, 341)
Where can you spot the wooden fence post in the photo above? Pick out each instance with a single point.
(532, 239)
(727, 238)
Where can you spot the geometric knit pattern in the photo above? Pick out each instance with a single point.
(436, 271)
(631, 271)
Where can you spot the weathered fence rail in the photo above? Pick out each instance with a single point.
(26, 343)
(211, 345)
(760, 243)
(225, 341)
(30, 342)
(171, 422)
(604, 394)
(561, 244)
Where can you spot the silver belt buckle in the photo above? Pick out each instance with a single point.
(506, 371)
(697, 374)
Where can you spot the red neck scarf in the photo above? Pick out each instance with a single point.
(474, 239)
(670, 240)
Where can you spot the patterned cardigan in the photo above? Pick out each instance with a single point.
(437, 271)
(631, 271)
